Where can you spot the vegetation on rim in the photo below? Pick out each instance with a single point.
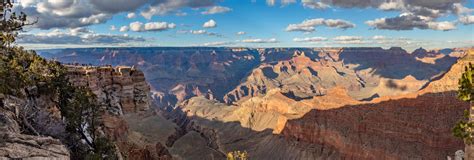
(22, 70)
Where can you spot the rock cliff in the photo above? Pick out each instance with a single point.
(119, 90)
(415, 125)
(295, 103)
(122, 92)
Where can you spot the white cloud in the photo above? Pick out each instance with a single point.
(347, 38)
(310, 39)
(272, 40)
(467, 19)
(216, 9)
(201, 32)
(314, 4)
(210, 24)
(442, 26)
(159, 26)
(136, 26)
(80, 13)
(124, 29)
(241, 33)
(131, 15)
(389, 6)
(311, 24)
(460, 9)
(77, 36)
(198, 31)
(151, 26)
(377, 37)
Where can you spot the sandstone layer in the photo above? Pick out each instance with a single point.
(296, 103)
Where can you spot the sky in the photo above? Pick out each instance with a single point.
(409, 24)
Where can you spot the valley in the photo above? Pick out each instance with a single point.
(286, 103)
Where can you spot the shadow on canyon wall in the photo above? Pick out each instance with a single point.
(394, 63)
(407, 128)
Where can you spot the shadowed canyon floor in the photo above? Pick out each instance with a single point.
(293, 103)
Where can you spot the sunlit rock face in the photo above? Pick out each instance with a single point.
(119, 90)
(296, 103)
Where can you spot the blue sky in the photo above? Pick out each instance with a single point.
(86, 23)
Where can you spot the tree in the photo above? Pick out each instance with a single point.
(23, 71)
(464, 129)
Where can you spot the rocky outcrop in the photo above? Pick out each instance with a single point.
(15, 145)
(119, 90)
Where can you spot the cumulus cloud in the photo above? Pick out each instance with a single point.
(124, 29)
(442, 26)
(466, 19)
(423, 13)
(79, 36)
(216, 9)
(310, 39)
(459, 9)
(131, 15)
(272, 40)
(410, 22)
(80, 13)
(210, 24)
(390, 6)
(162, 7)
(151, 26)
(314, 4)
(72, 14)
(311, 24)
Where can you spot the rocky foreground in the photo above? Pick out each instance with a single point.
(329, 103)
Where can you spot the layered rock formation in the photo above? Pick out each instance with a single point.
(175, 74)
(416, 125)
(293, 103)
(121, 92)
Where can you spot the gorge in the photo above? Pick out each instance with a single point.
(280, 103)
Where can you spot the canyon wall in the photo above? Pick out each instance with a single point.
(293, 103)
(415, 125)
(121, 92)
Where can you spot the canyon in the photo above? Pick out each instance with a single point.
(274, 103)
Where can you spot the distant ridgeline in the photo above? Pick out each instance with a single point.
(178, 73)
